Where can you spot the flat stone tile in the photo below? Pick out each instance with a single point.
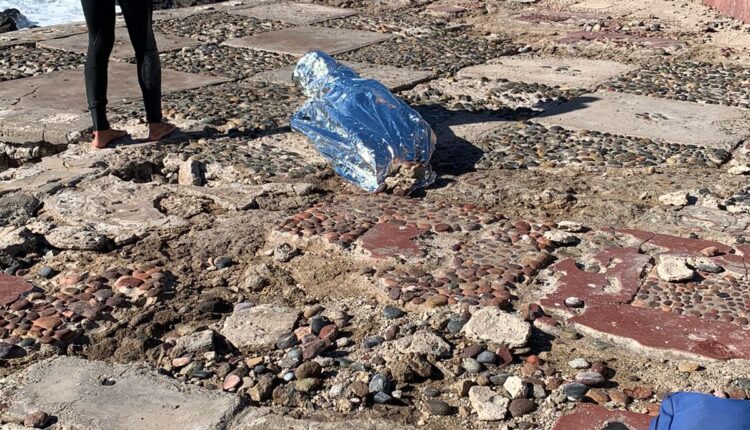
(137, 397)
(54, 107)
(300, 40)
(394, 78)
(228, 6)
(566, 73)
(123, 48)
(648, 117)
(33, 35)
(295, 13)
(592, 417)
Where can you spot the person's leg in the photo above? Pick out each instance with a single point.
(138, 18)
(100, 19)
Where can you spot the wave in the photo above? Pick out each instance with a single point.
(46, 12)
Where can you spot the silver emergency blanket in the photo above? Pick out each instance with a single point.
(369, 135)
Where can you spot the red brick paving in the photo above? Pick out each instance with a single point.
(652, 328)
(591, 417)
(11, 288)
(617, 284)
(390, 239)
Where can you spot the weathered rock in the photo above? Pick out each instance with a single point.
(16, 241)
(494, 325)
(190, 173)
(132, 396)
(198, 342)
(674, 269)
(521, 407)
(438, 407)
(516, 387)
(258, 328)
(678, 198)
(423, 342)
(17, 208)
(489, 405)
(263, 419)
(75, 238)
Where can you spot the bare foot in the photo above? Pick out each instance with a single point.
(159, 130)
(103, 138)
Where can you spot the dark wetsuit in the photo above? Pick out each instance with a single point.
(100, 19)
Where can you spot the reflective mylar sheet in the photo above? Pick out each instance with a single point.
(359, 126)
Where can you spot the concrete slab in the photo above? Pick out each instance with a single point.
(34, 35)
(565, 73)
(395, 78)
(300, 40)
(295, 13)
(227, 6)
(97, 396)
(709, 126)
(52, 107)
(123, 49)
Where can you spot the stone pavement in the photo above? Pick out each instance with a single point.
(582, 253)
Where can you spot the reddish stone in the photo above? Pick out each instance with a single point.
(11, 288)
(48, 323)
(592, 417)
(127, 282)
(389, 239)
(667, 331)
(231, 381)
(593, 288)
(329, 332)
(312, 349)
(639, 393)
(301, 332)
(505, 356)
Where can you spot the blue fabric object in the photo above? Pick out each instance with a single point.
(359, 126)
(694, 411)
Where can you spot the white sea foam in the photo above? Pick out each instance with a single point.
(46, 12)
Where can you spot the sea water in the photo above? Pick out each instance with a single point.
(46, 12)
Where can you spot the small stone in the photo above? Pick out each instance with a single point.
(380, 383)
(307, 385)
(598, 396)
(231, 381)
(678, 198)
(284, 253)
(561, 237)
(688, 366)
(313, 310)
(575, 391)
(618, 397)
(286, 341)
(590, 379)
(573, 302)
(310, 369)
(516, 387)
(579, 363)
(494, 325)
(521, 407)
(359, 389)
(46, 272)
(391, 313)
(462, 387)
(373, 341)
(639, 393)
(438, 407)
(743, 383)
(8, 350)
(471, 365)
(487, 357)
(317, 323)
(489, 405)
(382, 398)
(423, 342)
(222, 262)
(36, 420)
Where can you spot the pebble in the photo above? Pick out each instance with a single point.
(431, 392)
(575, 391)
(579, 363)
(286, 341)
(471, 365)
(380, 383)
(521, 407)
(36, 419)
(688, 366)
(591, 379)
(310, 369)
(373, 341)
(487, 357)
(222, 262)
(438, 407)
(391, 312)
(382, 398)
(46, 272)
(573, 302)
(515, 387)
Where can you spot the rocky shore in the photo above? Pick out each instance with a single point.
(582, 254)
